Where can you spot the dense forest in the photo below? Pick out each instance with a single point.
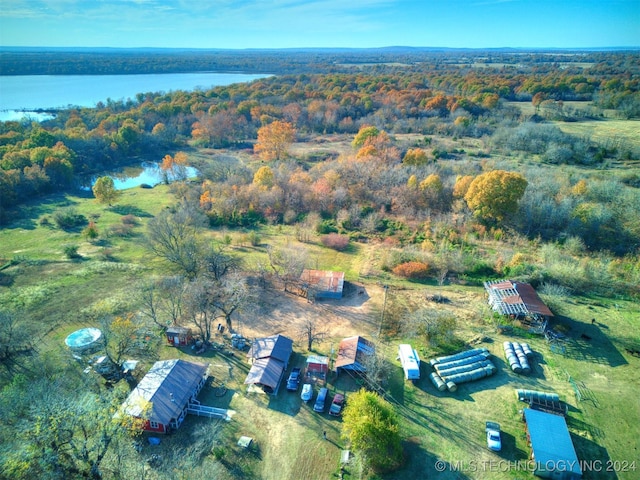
(433, 98)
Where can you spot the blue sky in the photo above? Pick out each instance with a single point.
(320, 23)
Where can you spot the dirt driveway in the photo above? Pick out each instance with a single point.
(278, 312)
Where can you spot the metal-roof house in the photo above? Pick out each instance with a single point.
(551, 446)
(163, 396)
(269, 357)
(519, 299)
(352, 353)
(317, 365)
(322, 283)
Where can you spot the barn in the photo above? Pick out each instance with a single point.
(269, 358)
(322, 283)
(551, 446)
(179, 336)
(166, 392)
(519, 300)
(352, 353)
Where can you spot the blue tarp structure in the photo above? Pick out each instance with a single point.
(552, 447)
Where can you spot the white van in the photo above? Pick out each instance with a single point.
(321, 400)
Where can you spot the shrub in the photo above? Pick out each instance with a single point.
(123, 230)
(412, 270)
(327, 226)
(129, 220)
(335, 241)
(90, 232)
(71, 251)
(68, 218)
(254, 239)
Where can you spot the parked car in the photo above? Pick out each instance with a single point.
(493, 436)
(321, 400)
(336, 404)
(294, 380)
(307, 392)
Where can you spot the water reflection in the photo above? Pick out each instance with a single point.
(147, 173)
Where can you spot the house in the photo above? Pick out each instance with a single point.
(165, 393)
(179, 336)
(551, 446)
(352, 354)
(519, 300)
(269, 358)
(317, 365)
(322, 283)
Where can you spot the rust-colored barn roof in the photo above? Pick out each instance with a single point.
(324, 280)
(511, 297)
(351, 351)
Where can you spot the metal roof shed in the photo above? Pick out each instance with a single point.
(551, 446)
(275, 346)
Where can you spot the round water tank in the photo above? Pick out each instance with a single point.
(83, 339)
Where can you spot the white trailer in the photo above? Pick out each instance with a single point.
(410, 361)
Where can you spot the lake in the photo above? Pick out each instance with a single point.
(21, 95)
(148, 173)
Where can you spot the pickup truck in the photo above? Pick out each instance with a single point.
(493, 436)
(294, 379)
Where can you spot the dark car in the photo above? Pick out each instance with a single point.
(294, 380)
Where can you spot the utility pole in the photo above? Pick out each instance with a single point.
(384, 306)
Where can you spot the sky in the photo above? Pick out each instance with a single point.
(241, 24)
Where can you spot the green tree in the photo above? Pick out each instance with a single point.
(365, 132)
(105, 191)
(494, 195)
(370, 424)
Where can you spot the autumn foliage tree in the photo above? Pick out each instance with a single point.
(412, 270)
(174, 168)
(274, 140)
(494, 195)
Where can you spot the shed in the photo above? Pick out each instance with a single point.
(551, 446)
(269, 358)
(352, 353)
(166, 392)
(323, 283)
(265, 372)
(275, 346)
(317, 365)
(179, 336)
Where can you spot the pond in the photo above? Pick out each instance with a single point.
(147, 173)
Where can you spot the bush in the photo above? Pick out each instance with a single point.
(71, 251)
(327, 226)
(68, 218)
(335, 241)
(412, 270)
(130, 220)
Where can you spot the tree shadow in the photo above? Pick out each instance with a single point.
(588, 342)
(129, 210)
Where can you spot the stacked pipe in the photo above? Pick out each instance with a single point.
(516, 354)
(459, 368)
(536, 396)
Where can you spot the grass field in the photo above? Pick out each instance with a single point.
(604, 413)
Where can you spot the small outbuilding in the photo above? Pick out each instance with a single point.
(352, 354)
(317, 365)
(165, 393)
(322, 283)
(179, 336)
(269, 358)
(551, 446)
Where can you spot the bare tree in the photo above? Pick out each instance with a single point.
(121, 336)
(15, 339)
(311, 332)
(217, 262)
(230, 295)
(288, 263)
(199, 307)
(173, 236)
(436, 327)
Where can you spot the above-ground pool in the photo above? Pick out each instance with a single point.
(83, 338)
